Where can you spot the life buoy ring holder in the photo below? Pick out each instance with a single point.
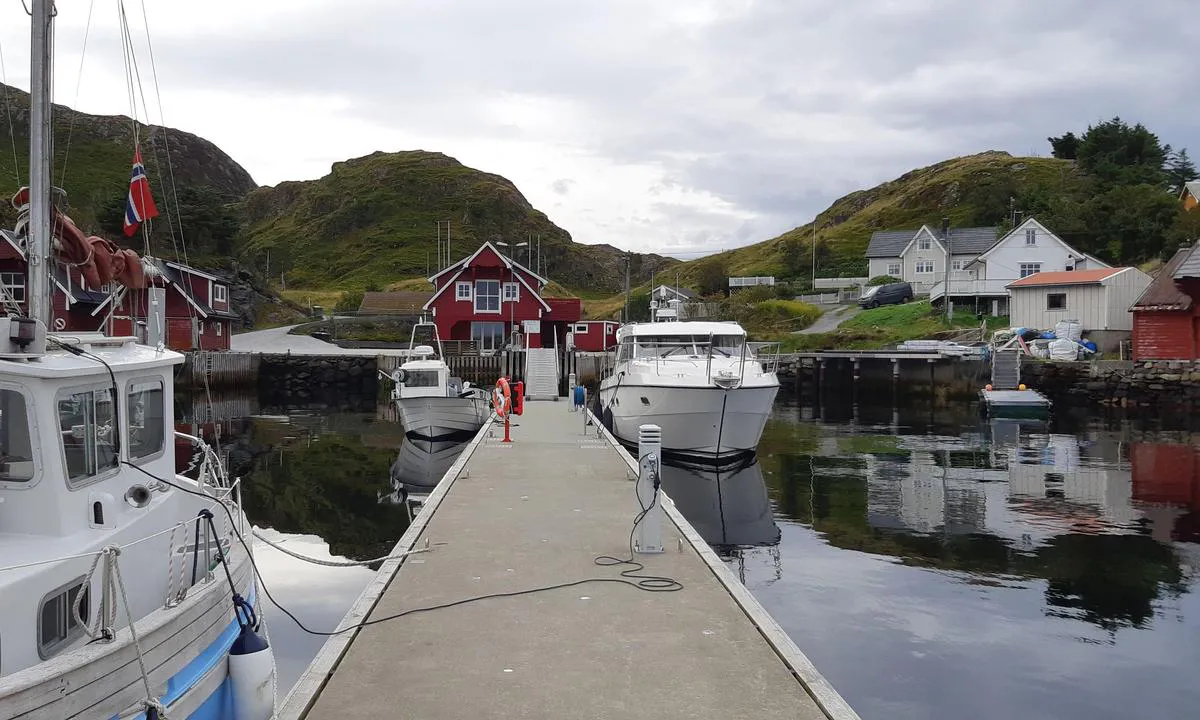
(501, 398)
(400, 377)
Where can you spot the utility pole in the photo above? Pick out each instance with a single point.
(949, 255)
(814, 257)
(626, 318)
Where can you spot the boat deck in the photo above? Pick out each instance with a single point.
(537, 512)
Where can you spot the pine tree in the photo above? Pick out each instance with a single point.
(1180, 169)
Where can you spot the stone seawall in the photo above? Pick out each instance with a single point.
(344, 383)
(1159, 383)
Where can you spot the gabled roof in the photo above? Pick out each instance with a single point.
(12, 239)
(1163, 293)
(1192, 188)
(461, 264)
(963, 241)
(450, 283)
(889, 243)
(193, 271)
(680, 291)
(173, 274)
(1067, 277)
(1022, 227)
(1189, 267)
(74, 291)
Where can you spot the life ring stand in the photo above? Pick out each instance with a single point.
(502, 402)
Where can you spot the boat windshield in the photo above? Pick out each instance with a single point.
(16, 450)
(421, 378)
(679, 346)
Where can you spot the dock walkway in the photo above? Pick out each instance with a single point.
(538, 512)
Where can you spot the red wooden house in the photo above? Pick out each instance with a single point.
(1166, 318)
(197, 303)
(594, 335)
(485, 296)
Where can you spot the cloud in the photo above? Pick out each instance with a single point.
(681, 124)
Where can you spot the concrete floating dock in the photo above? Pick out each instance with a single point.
(537, 512)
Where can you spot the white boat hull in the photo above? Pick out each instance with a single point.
(700, 421)
(435, 417)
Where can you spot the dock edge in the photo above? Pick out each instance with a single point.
(814, 683)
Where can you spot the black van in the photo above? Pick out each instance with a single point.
(890, 294)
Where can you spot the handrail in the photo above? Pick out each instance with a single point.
(708, 369)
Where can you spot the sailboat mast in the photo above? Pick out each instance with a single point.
(40, 149)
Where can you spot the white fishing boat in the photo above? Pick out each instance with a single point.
(430, 403)
(707, 388)
(124, 589)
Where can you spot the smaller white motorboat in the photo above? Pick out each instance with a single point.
(429, 402)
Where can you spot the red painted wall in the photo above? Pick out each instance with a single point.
(601, 335)
(454, 317)
(1169, 335)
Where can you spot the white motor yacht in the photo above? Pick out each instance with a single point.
(430, 403)
(700, 381)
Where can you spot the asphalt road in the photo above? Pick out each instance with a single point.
(277, 340)
(831, 319)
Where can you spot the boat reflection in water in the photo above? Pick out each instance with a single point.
(728, 506)
(421, 462)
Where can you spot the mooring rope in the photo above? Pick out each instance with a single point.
(337, 563)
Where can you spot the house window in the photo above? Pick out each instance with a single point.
(923, 244)
(487, 296)
(217, 326)
(462, 291)
(220, 294)
(956, 265)
(511, 293)
(145, 418)
(580, 329)
(87, 424)
(489, 336)
(1028, 269)
(14, 285)
(924, 266)
(893, 269)
(1056, 301)
(56, 618)
(1030, 236)
(15, 444)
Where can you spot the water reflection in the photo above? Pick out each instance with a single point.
(936, 564)
(420, 462)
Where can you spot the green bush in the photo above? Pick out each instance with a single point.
(350, 301)
(769, 318)
(883, 280)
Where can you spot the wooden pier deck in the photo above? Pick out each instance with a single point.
(533, 513)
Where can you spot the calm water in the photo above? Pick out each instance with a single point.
(930, 563)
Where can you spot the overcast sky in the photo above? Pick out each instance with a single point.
(675, 126)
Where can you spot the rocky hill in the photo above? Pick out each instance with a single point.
(92, 159)
(373, 220)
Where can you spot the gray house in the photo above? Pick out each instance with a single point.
(919, 256)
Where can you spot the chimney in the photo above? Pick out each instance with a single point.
(945, 227)
(1017, 217)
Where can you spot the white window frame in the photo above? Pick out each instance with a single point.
(74, 630)
(220, 293)
(1030, 237)
(218, 326)
(6, 278)
(924, 243)
(129, 390)
(580, 329)
(478, 295)
(956, 265)
(925, 267)
(479, 339)
(101, 473)
(1058, 309)
(894, 269)
(514, 296)
(459, 295)
(34, 447)
(1021, 267)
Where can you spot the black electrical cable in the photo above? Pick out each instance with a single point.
(114, 391)
(630, 577)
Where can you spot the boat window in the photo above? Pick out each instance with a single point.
(86, 426)
(667, 346)
(16, 449)
(56, 618)
(421, 378)
(624, 351)
(145, 418)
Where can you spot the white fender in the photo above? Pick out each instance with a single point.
(252, 674)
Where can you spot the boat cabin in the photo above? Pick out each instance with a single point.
(680, 340)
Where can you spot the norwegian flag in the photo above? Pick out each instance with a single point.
(139, 206)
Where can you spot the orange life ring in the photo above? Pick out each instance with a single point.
(501, 398)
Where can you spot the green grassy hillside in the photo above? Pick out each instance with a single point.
(373, 220)
(971, 191)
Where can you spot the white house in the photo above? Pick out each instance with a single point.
(919, 256)
(982, 266)
(1099, 299)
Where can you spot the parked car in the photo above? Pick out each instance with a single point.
(890, 294)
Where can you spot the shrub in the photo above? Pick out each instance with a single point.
(883, 280)
(350, 301)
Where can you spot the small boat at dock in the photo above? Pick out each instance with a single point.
(430, 403)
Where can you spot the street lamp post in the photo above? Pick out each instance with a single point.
(512, 305)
